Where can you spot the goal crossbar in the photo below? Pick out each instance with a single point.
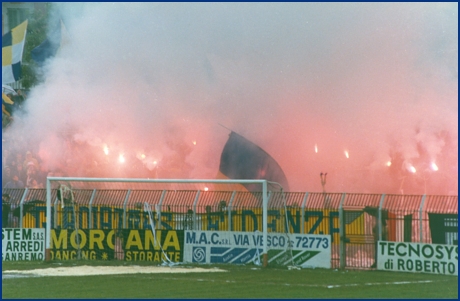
(264, 184)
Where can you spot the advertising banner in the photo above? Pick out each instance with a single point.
(317, 221)
(416, 257)
(23, 244)
(305, 250)
(128, 245)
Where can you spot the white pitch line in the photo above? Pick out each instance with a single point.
(321, 285)
(378, 283)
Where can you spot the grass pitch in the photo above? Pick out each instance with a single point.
(240, 281)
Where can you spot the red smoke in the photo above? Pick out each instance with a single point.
(378, 80)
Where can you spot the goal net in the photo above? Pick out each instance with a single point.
(167, 221)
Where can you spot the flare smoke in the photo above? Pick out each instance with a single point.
(304, 81)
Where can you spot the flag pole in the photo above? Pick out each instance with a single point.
(225, 127)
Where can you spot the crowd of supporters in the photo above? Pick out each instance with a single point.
(20, 168)
(10, 104)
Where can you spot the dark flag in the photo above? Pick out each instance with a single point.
(242, 159)
(44, 51)
(50, 46)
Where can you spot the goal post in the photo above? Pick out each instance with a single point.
(68, 180)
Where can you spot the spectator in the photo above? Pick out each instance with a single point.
(14, 183)
(32, 183)
(19, 99)
(13, 164)
(7, 176)
(22, 174)
(15, 161)
(28, 159)
(31, 172)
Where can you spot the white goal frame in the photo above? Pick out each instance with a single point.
(264, 184)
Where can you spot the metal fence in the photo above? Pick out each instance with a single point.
(350, 219)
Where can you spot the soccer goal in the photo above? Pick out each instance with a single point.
(177, 204)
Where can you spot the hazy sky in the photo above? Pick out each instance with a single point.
(307, 82)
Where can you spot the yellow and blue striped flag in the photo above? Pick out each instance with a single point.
(12, 49)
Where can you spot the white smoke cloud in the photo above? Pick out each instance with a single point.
(377, 79)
